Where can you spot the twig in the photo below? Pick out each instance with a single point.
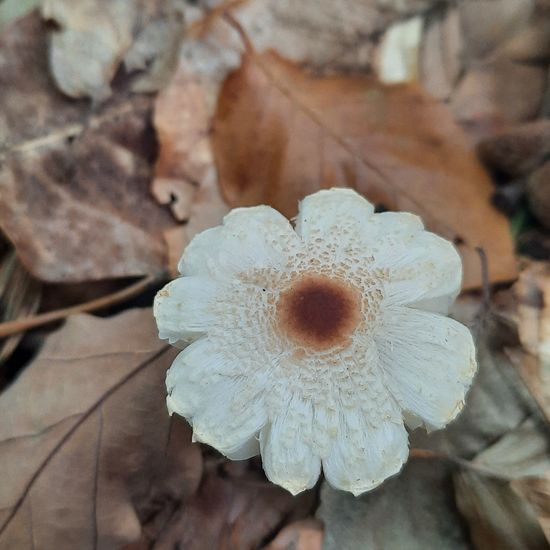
(485, 284)
(20, 325)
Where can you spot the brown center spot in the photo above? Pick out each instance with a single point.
(319, 312)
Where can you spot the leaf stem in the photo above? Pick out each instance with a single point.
(19, 325)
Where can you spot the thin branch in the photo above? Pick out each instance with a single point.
(142, 366)
(19, 325)
(486, 285)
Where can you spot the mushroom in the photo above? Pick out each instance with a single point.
(316, 345)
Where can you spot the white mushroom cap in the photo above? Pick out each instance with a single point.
(313, 344)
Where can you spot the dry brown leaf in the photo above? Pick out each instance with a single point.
(522, 457)
(74, 183)
(86, 450)
(536, 491)
(236, 513)
(498, 518)
(300, 535)
(184, 173)
(492, 97)
(517, 151)
(503, 504)
(281, 133)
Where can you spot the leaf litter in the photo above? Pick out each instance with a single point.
(264, 106)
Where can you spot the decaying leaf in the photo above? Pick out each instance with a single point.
(300, 535)
(517, 151)
(74, 182)
(86, 450)
(536, 491)
(414, 511)
(498, 518)
(440, 57)
(92, 37)
(231, 512)
(503, 514)
(281, 133)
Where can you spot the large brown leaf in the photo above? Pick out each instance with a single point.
(87, 453)
(74, 181)
(281, 133)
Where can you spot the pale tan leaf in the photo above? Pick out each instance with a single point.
(522, 452)
(87, 454)
(89, 43)
(92, 37)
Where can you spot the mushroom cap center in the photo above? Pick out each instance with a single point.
(319, 312)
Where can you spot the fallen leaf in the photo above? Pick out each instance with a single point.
(504, 73)
(488, 24)
(69, 173)
(518, 150)
(498, 517)
(229, 512)
(522, 452)
(86, 450)
(156, 45)
(92, 37)
(184, 172)
(300, 535)
(536, 491)
(281, 133)
(441, 52)
(415, 511)
(89, 42)
(494, 96)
